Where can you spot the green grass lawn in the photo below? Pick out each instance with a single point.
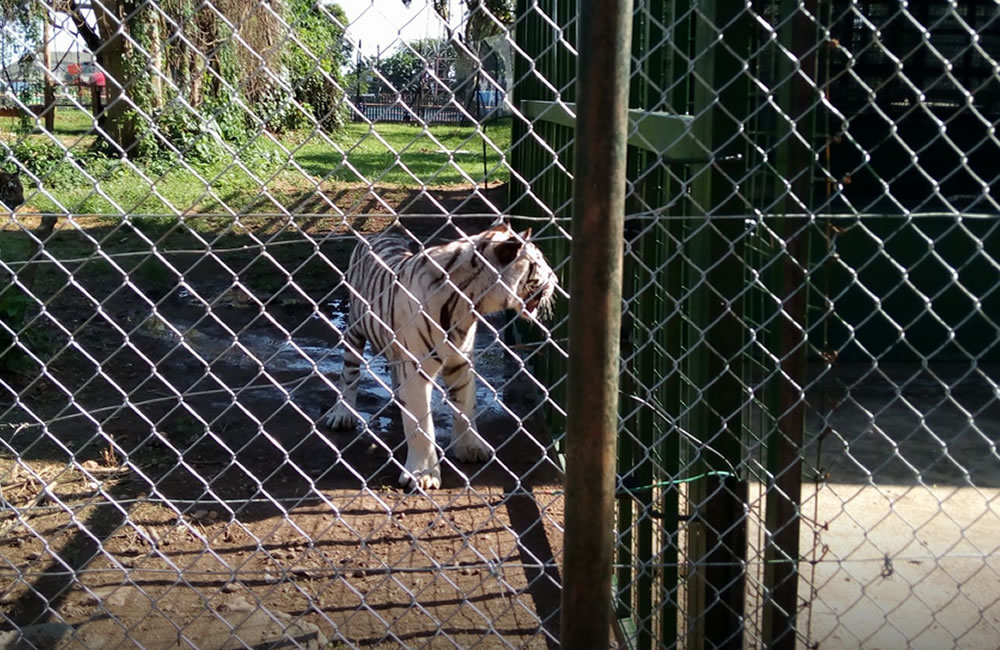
(408, 155)
(272, 171)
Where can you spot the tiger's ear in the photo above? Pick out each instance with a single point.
(500, 227)
(507, 251)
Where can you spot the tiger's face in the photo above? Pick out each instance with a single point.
(524, 272)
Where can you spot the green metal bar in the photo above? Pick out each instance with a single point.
(662, 133)
(669, 337)
(714, 363)
(629, 453)
(545, 186)
(625, 594)
(649, 309)
(672, 332)
(595, 322)
(522, 89)
(635, 447)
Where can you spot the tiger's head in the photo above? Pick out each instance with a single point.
(526, 282)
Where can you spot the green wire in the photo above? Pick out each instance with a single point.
(677, 481)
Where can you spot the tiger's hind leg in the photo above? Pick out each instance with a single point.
(343, 415)
(422, 467)
(461, 382)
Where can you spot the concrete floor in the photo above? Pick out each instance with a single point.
(907, 567)
(911, 509)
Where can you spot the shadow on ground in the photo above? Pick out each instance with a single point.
(159, 440)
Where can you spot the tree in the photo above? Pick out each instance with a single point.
(18, 18)
(180, 65)
(315, 59)
(483, 19)
(406, 69)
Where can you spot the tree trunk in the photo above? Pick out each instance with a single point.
(197, 68)
(467, 68)
(119, 116)
(131, 68)
(93, 41)
(155, 23)
(50, 99)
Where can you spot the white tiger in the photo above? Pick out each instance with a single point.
(420, 311)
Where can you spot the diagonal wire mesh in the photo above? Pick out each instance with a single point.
(809, 406)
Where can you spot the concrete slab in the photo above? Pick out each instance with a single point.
(905, 567)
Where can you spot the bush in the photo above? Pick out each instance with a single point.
(62, 168)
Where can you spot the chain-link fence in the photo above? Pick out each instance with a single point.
(809, 403)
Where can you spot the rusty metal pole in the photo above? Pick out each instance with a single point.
(605, 38)
(799, 97)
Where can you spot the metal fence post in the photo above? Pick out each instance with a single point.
(595, 317)
(794, 157)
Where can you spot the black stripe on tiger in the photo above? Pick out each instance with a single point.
(448, 371)
(447, 309)
(450, 264)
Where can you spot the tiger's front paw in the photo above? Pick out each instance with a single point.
(426, 479)
(340, 418)
(423, 472)
(470, 448)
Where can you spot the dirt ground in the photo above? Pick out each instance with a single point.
(184, 495)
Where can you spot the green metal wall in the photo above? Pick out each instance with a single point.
(737, 269)
(683, 350)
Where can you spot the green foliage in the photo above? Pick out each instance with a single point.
(205, 69)
(13, 307)
(487, 18)
(197, 139)
(401, 71)
(38, 155)
(359, 82)
(183, 430)
(62, 168)
(154, 277)
(483, 18)
(437, 156)
(314, 62)
(25, 121)
(22, 16)
(23, 19)
(279, 113)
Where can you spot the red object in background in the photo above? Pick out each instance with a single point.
(85, 74)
